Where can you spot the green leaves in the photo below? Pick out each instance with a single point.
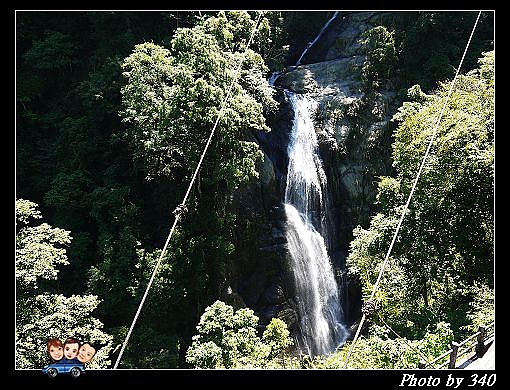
(43, 316)
(205, 355)
(380, 351)
(170, 102)
(26, 211)
(172, 99)
(430, 44)
(276, 336)
(39, 249)
(445, 243)
(54, 51)
(215, 319)
(379, 45)
(47, 316)
(228, 339)
(481, 310)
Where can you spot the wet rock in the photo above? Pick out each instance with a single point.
(276, 248)
(252, 287)
(289, 316)
(274, 294)
(355, 149)
(331, 77)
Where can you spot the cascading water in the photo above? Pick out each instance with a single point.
(318, 300)
(306, 208)
(317, 37)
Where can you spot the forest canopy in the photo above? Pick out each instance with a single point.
(113, 110)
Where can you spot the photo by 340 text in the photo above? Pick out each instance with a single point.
(451, 381)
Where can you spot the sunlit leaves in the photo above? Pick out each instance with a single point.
(446, 239)
(39, 250)
(26, 211)
(277, 337)
(379, 45)
(380, 350)
(46, 316)
(228, 339)
(173, 97)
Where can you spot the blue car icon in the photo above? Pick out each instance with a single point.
(74, 368)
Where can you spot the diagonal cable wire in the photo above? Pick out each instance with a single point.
(376, 285)
(183, 203)
(404, 340)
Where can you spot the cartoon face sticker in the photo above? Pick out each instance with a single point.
(86, 353)
(55, 349)
(71, 347)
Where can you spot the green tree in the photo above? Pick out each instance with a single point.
(380, 350)
(38, 248)
(481, 308)
(228, 339)
(277, 337)
(445, 244)
(41, 315)
(429, 45)
(379, 45)
(68, 144)
(172, 98)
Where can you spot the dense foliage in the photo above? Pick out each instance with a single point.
(381, 349)
(228, 339)
(429, 45)
(41, 314)
(113, 110)
(441, 266)
(173, 97)
(379, 45)
(170, 102)
(83, 165)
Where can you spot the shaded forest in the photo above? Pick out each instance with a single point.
(112, 112)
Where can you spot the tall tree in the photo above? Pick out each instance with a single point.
(228, 339)
(446, 240)
(171, 100)
(40, 315)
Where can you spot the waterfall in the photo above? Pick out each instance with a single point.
(275, 75)
(273, 78)
(310, 44)
(308, 231)
(317, 296)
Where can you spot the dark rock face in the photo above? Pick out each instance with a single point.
(274, 144)
(260, 276)
(258, 272)
(341, 37)
(274, 294)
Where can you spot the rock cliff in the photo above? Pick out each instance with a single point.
(354, 132)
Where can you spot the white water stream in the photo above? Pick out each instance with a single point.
(318, 303)
(317, 37)
(317, 295)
